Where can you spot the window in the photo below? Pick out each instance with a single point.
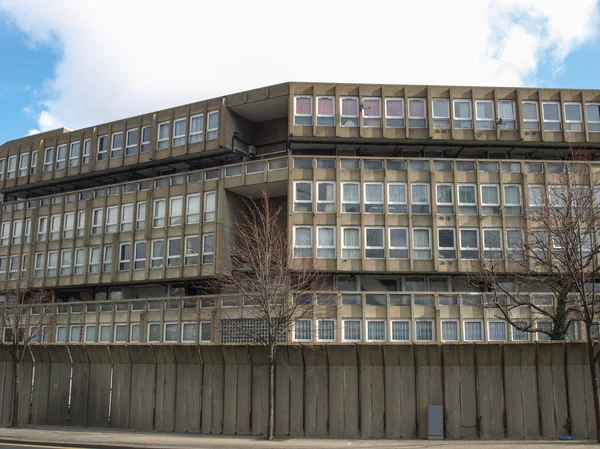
(126, 217)
(593, 117)
(537, 200)
(13, 267)
(394, 112)
(61, 334)
(66, 259)
(196, 128)
(52, 263)
(61, 157)
(573, 117)
(303, 330)
(107, 264)
(496, 331)
(518, 333)
(48, 159)
(17, 232)
(350, 197)
(349, 111)
(68, 225)
(208, 249)
(484, 110)
(39, 265)
(440, 110)
(206, 332)
(212, 127)
(158, 253)
(374, 243)
(371, 112)
(416, 113)
(145, 144)
(79, 261)
(352, 330)
(154, 332)
(374, 197)
(397, 198)
(42, 229)
(303, 196)
(12, 167)
(139, 262)
(192, 250)
(303, 111)
(209, 206)
(116, 147)
(2, 168)
(325, 242)
(422, 243)
(351, 243)
(506, 115)
(5, 233)
(159, 213)
(163, 135)
(467, 199)
(189, 332)
(463, 118)
(87, 149)
(174, 252)
(23, 164)
(26, 236)
(420, 198)
(90, 333)
(447, 243)
(490, 199)
(302, 241)
(424, 330)
(512, 199)
(551, 115)
(398, 243)
(179, 132)
(400, 331)
(102, 147)
(449, 330)
(325, 330)
(375, 330)
(112, 216)
(97, 221)
(531, 119)
(175, 210)
(469, 244)
(325, 111)
(325, 197)
(125, 257)
(444, 198)
(473, 330)
(544, 326)
(55, 227)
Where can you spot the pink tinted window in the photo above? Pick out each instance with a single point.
(325, 106)
(303, 105)
(394, 108)
(416, 108)
(350, 107)
(372, 107)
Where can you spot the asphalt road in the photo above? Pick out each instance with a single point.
(28, 446)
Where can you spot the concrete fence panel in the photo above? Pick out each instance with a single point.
(166, 388)
(121, 387)
(6, 386)
(260, 384)
(98, 402)
(143, 378)
(50, 405)
(316, 391)
(189, 389)
(80, 386)
(213, 389)
(490, 390)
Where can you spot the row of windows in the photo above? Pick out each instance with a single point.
(137, 255)
(464, 113)
(121, 143)
(374, 199)
(468, 247)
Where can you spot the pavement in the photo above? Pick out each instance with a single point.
(43, 437)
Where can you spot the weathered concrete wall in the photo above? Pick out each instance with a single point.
(537, 390)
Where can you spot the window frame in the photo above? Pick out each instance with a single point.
(210, 130)
(179, 139)
(455, 321)
(460, 119)
(296, 114)
(537, 113)
(367, 118)
(206, 213)
(318, 326)
(351, 248)
(483, 205)
(175, 257)
(333, 247)
(176, 220)
(475, 202)
(129, 146)
(437, 201)
(398, 248)
(324, 202)
(160, 260)
(375, 320)
(423, 101)
(492, 120)
(481, 328)
(422, 248)
(115, 151)
(572, 122)
(559, 120)
(141, 260)
(489, 332)
(160, 141)
(375, 204)
(590, 123)
(440, 118)
(507, 205)
(296, 246)
(389, 117)
(124, 262)
(345, 202)
(356, 117)
(196, 136)
(419, 203)
(512, 120)
(431, 323)
(191, 256)
(23, 166)
(48, 162)
(367, 247)
(447, 248)
(492, 249)
(208, 257)
(297, 201)
(476, 249)
(360, 328)
(325, 116)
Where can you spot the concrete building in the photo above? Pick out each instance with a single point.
(393, 190)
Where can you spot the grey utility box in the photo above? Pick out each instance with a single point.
(435, 422)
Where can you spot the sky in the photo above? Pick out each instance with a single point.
(79, 63)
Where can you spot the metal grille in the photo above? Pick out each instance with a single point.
(247, 331)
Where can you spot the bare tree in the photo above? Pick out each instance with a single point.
(271, 283)
(25, 316)
(556, 246)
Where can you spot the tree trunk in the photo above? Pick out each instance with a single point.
(14, 422)
(271, 410)
(594, 376)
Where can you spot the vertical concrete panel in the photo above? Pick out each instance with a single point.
(336, 392)
(351, 392)
(212, 391)
(372, 391)
(490, 390)
(577, 374)
(514, 399)
(98, 402)
(143, 376)
(282, 393)
(529, 391)
(6, 380)
(260, 384)
(452, 391)
(296, 407)
(189, 389)
(121, 387)
(316, 389)
(546, 387)
(6, 388)
(244, 390)
(429, 384)
(400, 395)
(559, 387)
(468, 393)
(41, 386)
(79, 386)
(237, 390)
(166, 388)
(60, 379)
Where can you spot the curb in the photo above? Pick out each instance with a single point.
(74, 444)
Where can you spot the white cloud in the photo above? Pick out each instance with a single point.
(119, 59)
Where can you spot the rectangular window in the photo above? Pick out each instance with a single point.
(116, 147)
(179, 132)
(349, 111)
(440, 110)
(496, 331)
(189, 332)
(444, 198)
(325, 111)
(506, 115)
(463, 118)
(87, 150)
(42, 229)
(469, 244)
(174, 252)
(398, 243)
(39, 265)
(112, 218)
(325, 242)
(303, 111)
(350, 197)
(573, 117)
(140, 217)
(193, 209)
(397, 198)
(158, 253)
(373, 197)
(5, 233)
(537, 199)
(593, 117)
(512, 199)
(163, 135)
(303, 330)
(551, 116)
(175, 210)
(492, 243)
(490, 199)
(120, 335)
(467, 199)
(79, 261)
(61, 157)
(325, 330)
(212, 125)
(32, 170)
(302, 196)
(52, 264)
(325, 197)
(302, 241)
(473, 330)
(66, 260)
(131, 142)
(74, 154)
(351, 243)
(126, 217)
(159, 213)
(209, 206)
(97, 221)
(90, 333)
(449, 330)
(374, 243)
(192, 250)
(196, 128)
(23, 164)
(61, 334)
(208, 249)
(400, 331)
(447, 243)
(417, 117)
(424, 330)
(48, 159)
(2, 168)
(102, 153)
(139, 262)
(420, 198)
(375, 330)
(145, 144)
(107, 263)
(394, 112)
(421, 243)
(17, 232)
(518, 332)
(484, 110)
(531, 118)
(69, 225)
(124, 256)
(371, 112)
(105, 333)
(27, 234)
(14, 267)
(55, 227)
(352, 330)
(154, 332)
